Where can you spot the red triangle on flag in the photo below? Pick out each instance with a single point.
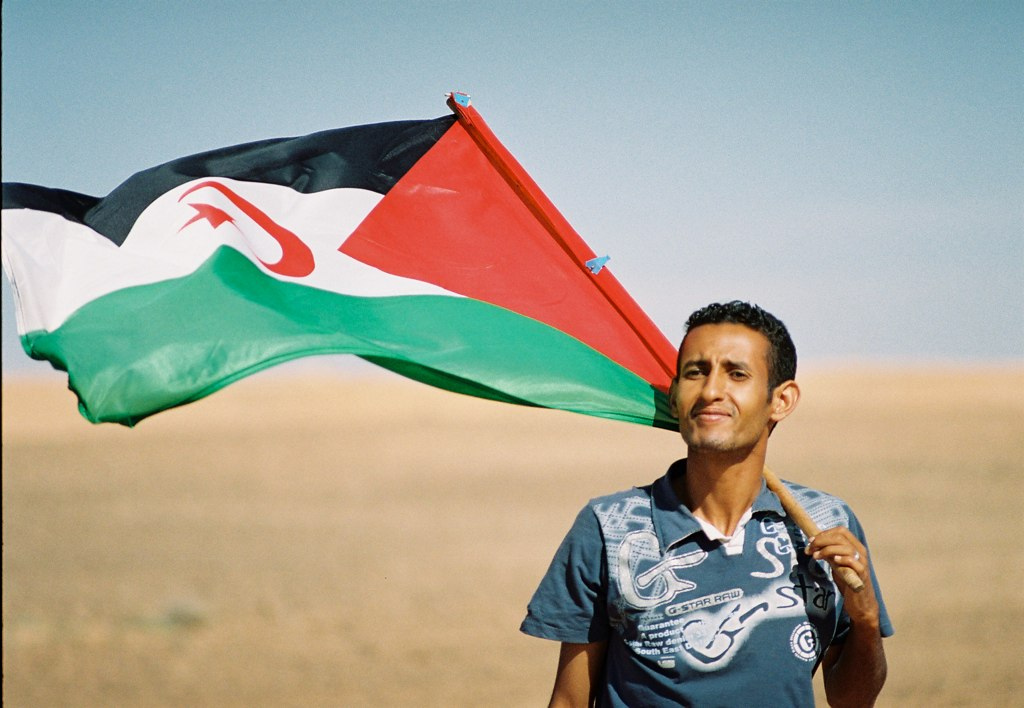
(463, 219)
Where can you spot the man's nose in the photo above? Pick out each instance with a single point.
(713, 386)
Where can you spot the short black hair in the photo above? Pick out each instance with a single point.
(781, 350)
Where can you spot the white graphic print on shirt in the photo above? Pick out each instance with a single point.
(700, 607)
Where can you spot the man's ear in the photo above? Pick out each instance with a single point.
(673, 409)
(784, 399)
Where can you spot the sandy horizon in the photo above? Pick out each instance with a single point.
(326, 540)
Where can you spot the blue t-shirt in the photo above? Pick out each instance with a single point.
(687, 621)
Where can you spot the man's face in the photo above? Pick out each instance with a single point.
(721, 394)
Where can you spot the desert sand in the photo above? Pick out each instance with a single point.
(301, 540)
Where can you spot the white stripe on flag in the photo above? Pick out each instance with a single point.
(56, 266)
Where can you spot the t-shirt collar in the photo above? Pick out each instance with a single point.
(673, 522)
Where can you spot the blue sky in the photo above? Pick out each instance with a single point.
(857, 168)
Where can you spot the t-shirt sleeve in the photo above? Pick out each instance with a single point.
(885, 624)
(570, 603)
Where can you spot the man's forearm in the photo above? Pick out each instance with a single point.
(858, 673)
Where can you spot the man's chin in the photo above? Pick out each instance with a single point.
(724, 443)
(713, 447)
(709, 444)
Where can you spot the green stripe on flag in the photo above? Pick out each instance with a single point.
(144, 349)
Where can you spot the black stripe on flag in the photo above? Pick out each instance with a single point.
(372, 157)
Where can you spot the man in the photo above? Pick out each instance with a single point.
(698, 589)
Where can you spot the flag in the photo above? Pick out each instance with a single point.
(421, 246)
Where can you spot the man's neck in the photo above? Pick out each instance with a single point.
(719, 488)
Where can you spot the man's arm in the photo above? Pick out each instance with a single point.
(853, 670)
(579, 671)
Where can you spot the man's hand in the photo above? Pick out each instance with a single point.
(841, 549)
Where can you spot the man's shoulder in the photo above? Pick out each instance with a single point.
(631, 495)
(826, 509)
(625, 508)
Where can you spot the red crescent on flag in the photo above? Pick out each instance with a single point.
(296, 259)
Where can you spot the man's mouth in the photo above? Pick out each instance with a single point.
(710, 414)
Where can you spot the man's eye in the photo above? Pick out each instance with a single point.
(739, 375)
(691, 373)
